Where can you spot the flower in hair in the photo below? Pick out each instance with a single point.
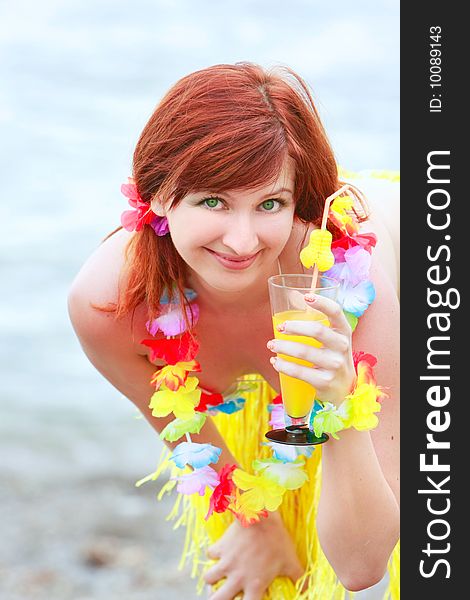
(160, 225)
(141, 213)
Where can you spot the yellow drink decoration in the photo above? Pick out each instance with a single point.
(297, 395)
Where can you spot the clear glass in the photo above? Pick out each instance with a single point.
(286, 293)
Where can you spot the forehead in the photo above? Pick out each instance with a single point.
(283, 181)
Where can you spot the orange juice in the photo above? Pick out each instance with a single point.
(298, 396)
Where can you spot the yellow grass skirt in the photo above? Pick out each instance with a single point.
(243, 432)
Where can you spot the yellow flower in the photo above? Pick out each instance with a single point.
(318, 251)
(181, 402)
(359, 407)
(241, 507)
(338, 207)
(341, 204)
(289, 475)
(259, 492)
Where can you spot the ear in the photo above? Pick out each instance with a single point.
(157, 207)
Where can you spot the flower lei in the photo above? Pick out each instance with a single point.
(250, 496)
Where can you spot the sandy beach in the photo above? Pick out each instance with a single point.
(87, 537)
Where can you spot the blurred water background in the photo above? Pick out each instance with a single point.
(79, 81)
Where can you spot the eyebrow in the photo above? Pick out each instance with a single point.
(274, 193)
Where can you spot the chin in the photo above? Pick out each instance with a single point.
(230, 284)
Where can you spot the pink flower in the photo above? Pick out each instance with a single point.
(142, 214)
(277, 420)
(351, 265)
(171, 321)
(134, 220)
(160, 225)
(197, 481)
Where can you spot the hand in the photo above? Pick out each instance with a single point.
(250, 558)
(333, 374)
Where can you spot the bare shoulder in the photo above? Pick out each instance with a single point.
(99, 276)
(378, 328)
(97, 284)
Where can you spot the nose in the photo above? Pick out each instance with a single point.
(241, 236)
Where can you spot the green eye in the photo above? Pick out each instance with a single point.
(211, 202)
(268, 204)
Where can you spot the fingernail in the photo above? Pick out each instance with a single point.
(309, 298)
(273, 360)
(281, 327)
(270, 344)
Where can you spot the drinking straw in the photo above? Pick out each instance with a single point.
(326, 210)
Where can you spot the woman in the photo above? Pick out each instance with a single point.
(234, 162)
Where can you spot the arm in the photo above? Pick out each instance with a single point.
(109, 345)
(357, 517)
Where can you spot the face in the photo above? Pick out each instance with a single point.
(231, 240)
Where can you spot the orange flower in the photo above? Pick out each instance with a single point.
(174, 376)
(244, 511)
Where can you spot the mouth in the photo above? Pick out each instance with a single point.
(236, 263)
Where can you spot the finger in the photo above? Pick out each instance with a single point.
(252, 595)
(215, 573)
(319, 378)
(323, 358)
(334, 340)
(255, 591)
(228, 591)
(331, 309)
(213, 552)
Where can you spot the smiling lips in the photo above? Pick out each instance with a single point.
(234, 262)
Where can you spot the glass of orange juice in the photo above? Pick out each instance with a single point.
(286, 293)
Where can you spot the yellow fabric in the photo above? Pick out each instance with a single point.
(243, 432)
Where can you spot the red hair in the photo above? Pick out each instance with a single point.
(221, 128)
